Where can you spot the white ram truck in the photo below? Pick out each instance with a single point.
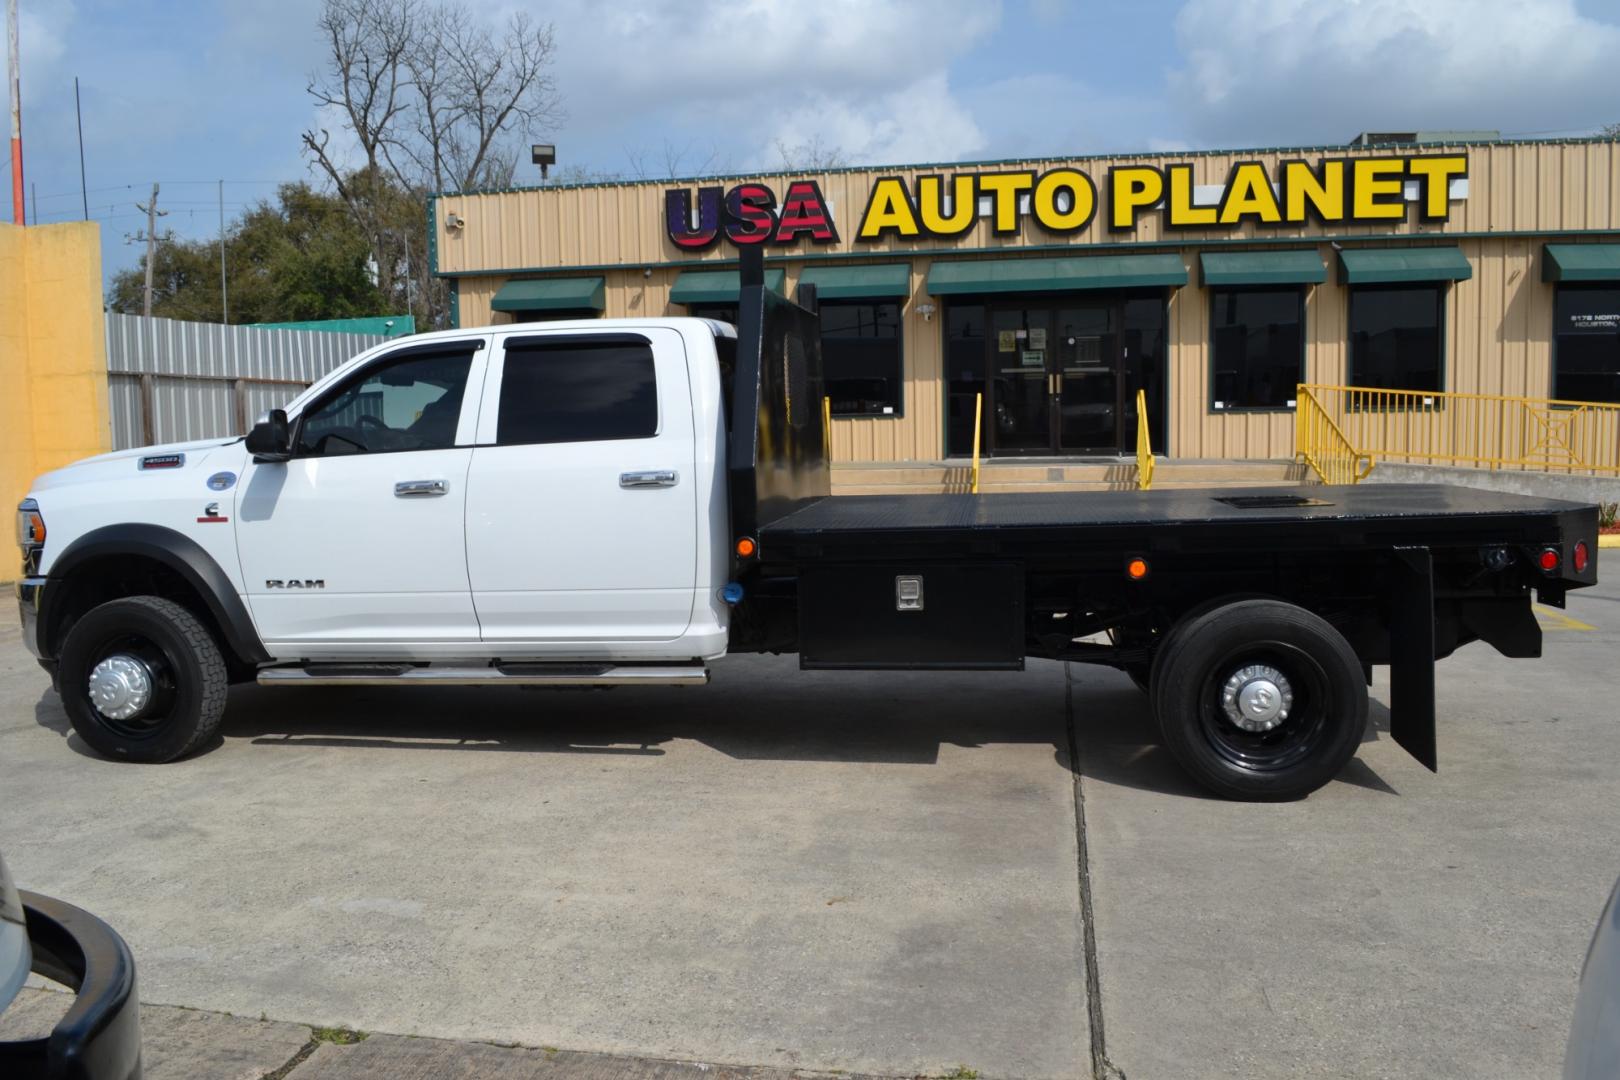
(625, 501)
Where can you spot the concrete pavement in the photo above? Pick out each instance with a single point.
(834, 871)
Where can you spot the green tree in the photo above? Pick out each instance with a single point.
(300, 257)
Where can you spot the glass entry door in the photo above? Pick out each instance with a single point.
(1055, 380)
(1021, 389)
(1087, 377)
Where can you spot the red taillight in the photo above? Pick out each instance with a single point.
(1582, 557)
(1548, 560)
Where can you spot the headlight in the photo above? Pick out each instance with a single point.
(30, 525)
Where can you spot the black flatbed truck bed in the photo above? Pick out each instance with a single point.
(1252, 617)
(1183, 520)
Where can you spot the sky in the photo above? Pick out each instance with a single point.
(190, 93)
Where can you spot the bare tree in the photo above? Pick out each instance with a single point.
(496, 84)
(432, 100)
(676, 160)
(1611, 131)
(366, 83)
(812, 156)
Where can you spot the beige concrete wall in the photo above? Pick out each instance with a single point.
(1498, 333)
(53, 363)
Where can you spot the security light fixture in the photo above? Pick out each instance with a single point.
(543, 155)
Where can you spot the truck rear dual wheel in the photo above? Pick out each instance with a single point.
(142, 679)
(1259, 699)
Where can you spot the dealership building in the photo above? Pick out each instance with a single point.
(1053, 290)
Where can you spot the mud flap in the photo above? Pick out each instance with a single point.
(1411, 654)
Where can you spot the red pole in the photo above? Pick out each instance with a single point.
(16, 116)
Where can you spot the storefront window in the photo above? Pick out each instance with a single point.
(1258, 344)
(964, 374)
(1395, 335)
(1586, 343)
(860, 358)
(553, 316)
(726, 313)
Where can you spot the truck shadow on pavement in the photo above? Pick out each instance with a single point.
(1117, 743)
(761, 709)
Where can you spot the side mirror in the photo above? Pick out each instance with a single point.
(269, 440)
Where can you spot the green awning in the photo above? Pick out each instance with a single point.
(1055, 275)
(718, 286)
(1580, 262)
(551, 294)
(1378, 266)
(1263, 268)
(859, 282)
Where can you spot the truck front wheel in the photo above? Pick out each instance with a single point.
(1260, 700)
(142, 680)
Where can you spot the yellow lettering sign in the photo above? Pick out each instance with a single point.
(1376, 189)
(931, 205)
(1004, 190)
(1182, 213)
(1248, 195)
(1312, 194)
(1132, 189)
(1434, 176)
(1082, 201)
(888, 210)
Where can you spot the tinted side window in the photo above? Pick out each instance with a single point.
(1258, 345)
(860, 357)
(1587, 350)
(413, 403)
(577, 392)
(1395, 337)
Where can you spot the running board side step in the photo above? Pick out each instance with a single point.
(513, 674)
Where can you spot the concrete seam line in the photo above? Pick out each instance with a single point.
(1101, 1067)
(296, 1060)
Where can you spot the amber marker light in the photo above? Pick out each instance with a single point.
(1137, 569)
(746, 547)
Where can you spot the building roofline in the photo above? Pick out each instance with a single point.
(1344, 148)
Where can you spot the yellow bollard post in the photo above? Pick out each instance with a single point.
(978, 417)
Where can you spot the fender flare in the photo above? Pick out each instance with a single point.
(174, 550)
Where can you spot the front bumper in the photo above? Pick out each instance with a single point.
(100, 1037)
(30, 592)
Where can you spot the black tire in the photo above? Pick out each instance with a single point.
(184, 669)
(1313, 739)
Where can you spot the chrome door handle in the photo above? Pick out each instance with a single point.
(406, 489)
(654, 478)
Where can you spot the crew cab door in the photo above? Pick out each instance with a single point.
(359, 538)
(581, 499)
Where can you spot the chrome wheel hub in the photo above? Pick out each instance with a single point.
(120, 687)
(1257, 698)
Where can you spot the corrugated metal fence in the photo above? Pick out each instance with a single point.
(170, 381)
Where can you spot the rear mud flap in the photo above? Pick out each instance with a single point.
(1411, 659)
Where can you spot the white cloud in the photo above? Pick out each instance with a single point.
(1306, 71)
(864, 76)
(917, 123)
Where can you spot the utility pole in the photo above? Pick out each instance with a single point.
(78, 112)
(152, 214)
(224, 294)
(16, 115)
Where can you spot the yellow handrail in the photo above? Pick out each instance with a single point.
(1493, 431)
(978, 416)
(1320, 443)
(826, 425)
(1144, 444)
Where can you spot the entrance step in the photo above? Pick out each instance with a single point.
(918, 478)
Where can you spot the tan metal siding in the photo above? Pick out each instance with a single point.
(1499, 322)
